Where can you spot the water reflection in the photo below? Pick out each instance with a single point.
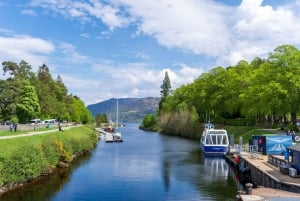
(183, 162)
(146, 166)
(46, 186)
(215, 167)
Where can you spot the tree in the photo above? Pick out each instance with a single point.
(101, 118)
(148, 121)
(46, 90)
(286, 60)
(28, 105)
(21, 71)
(165, 89)
(81, 113)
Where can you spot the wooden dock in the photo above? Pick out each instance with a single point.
(268, 175)
(108, 136)
(268, 178)
(262, 194)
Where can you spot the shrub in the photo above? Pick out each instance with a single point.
(23, 159)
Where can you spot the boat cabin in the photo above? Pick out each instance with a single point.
(215, 137)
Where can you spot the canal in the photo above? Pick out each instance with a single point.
(146, 167)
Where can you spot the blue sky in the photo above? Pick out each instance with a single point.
(122, 48)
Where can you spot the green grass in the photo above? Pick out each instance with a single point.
(25, 158)
(246, 132)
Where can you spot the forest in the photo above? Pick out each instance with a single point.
(261, 92)
(26, 95)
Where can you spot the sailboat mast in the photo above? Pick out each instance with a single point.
(117, 115)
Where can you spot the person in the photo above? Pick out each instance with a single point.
(236, 158)
(15, 127)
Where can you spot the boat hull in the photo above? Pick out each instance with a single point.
(216, 149)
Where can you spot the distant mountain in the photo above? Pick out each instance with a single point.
(130, 109)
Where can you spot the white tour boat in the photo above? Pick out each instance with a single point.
(214, 141)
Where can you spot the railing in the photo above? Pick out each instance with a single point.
(252, 150)
(276, 161)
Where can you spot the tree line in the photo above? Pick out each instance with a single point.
(26, 95)
(263, 91)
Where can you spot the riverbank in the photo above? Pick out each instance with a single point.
(24, 159)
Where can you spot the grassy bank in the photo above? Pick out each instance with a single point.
(246, 132)
(23, 159)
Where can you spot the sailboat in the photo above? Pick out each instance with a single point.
(117, 135)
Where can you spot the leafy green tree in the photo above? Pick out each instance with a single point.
(46, 89)
(81, 113)
(286, 60)
(101, 118)
(18, 71)
(28, 105)
(10, 91)
(148, 121)
(61, 94)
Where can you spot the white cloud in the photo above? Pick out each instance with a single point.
(198, 26)
(28, 12)
(70, 53)
(190, 25)
(20, 47)
(227, 33)
(86, 11)
(124, 80)
(257, 30)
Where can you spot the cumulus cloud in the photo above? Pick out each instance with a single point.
(21, 47)
(257, 30)
(202, 27)
(207, 28)
(125, 80)
(226, 33)
(86, 11)
(189, 25)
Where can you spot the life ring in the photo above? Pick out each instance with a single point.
(297, 138)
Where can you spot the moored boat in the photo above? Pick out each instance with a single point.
(117, 136)
(214, 141)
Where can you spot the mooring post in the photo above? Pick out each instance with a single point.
(249, 187)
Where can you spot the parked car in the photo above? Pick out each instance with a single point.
(35, 121)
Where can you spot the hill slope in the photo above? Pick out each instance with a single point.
(130, 109)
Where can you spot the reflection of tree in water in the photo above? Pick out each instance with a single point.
(216, 178)
(166, 175)
(44, 187)
(209, 175)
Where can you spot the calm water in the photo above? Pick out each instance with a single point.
(146, 166)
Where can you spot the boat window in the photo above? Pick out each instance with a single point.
(208, 140)
(217, 132)
(219, 139)
(214, 139)
(225, 140)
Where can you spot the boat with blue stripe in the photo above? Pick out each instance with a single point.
(214, 141)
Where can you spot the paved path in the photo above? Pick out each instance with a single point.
(32, 133)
